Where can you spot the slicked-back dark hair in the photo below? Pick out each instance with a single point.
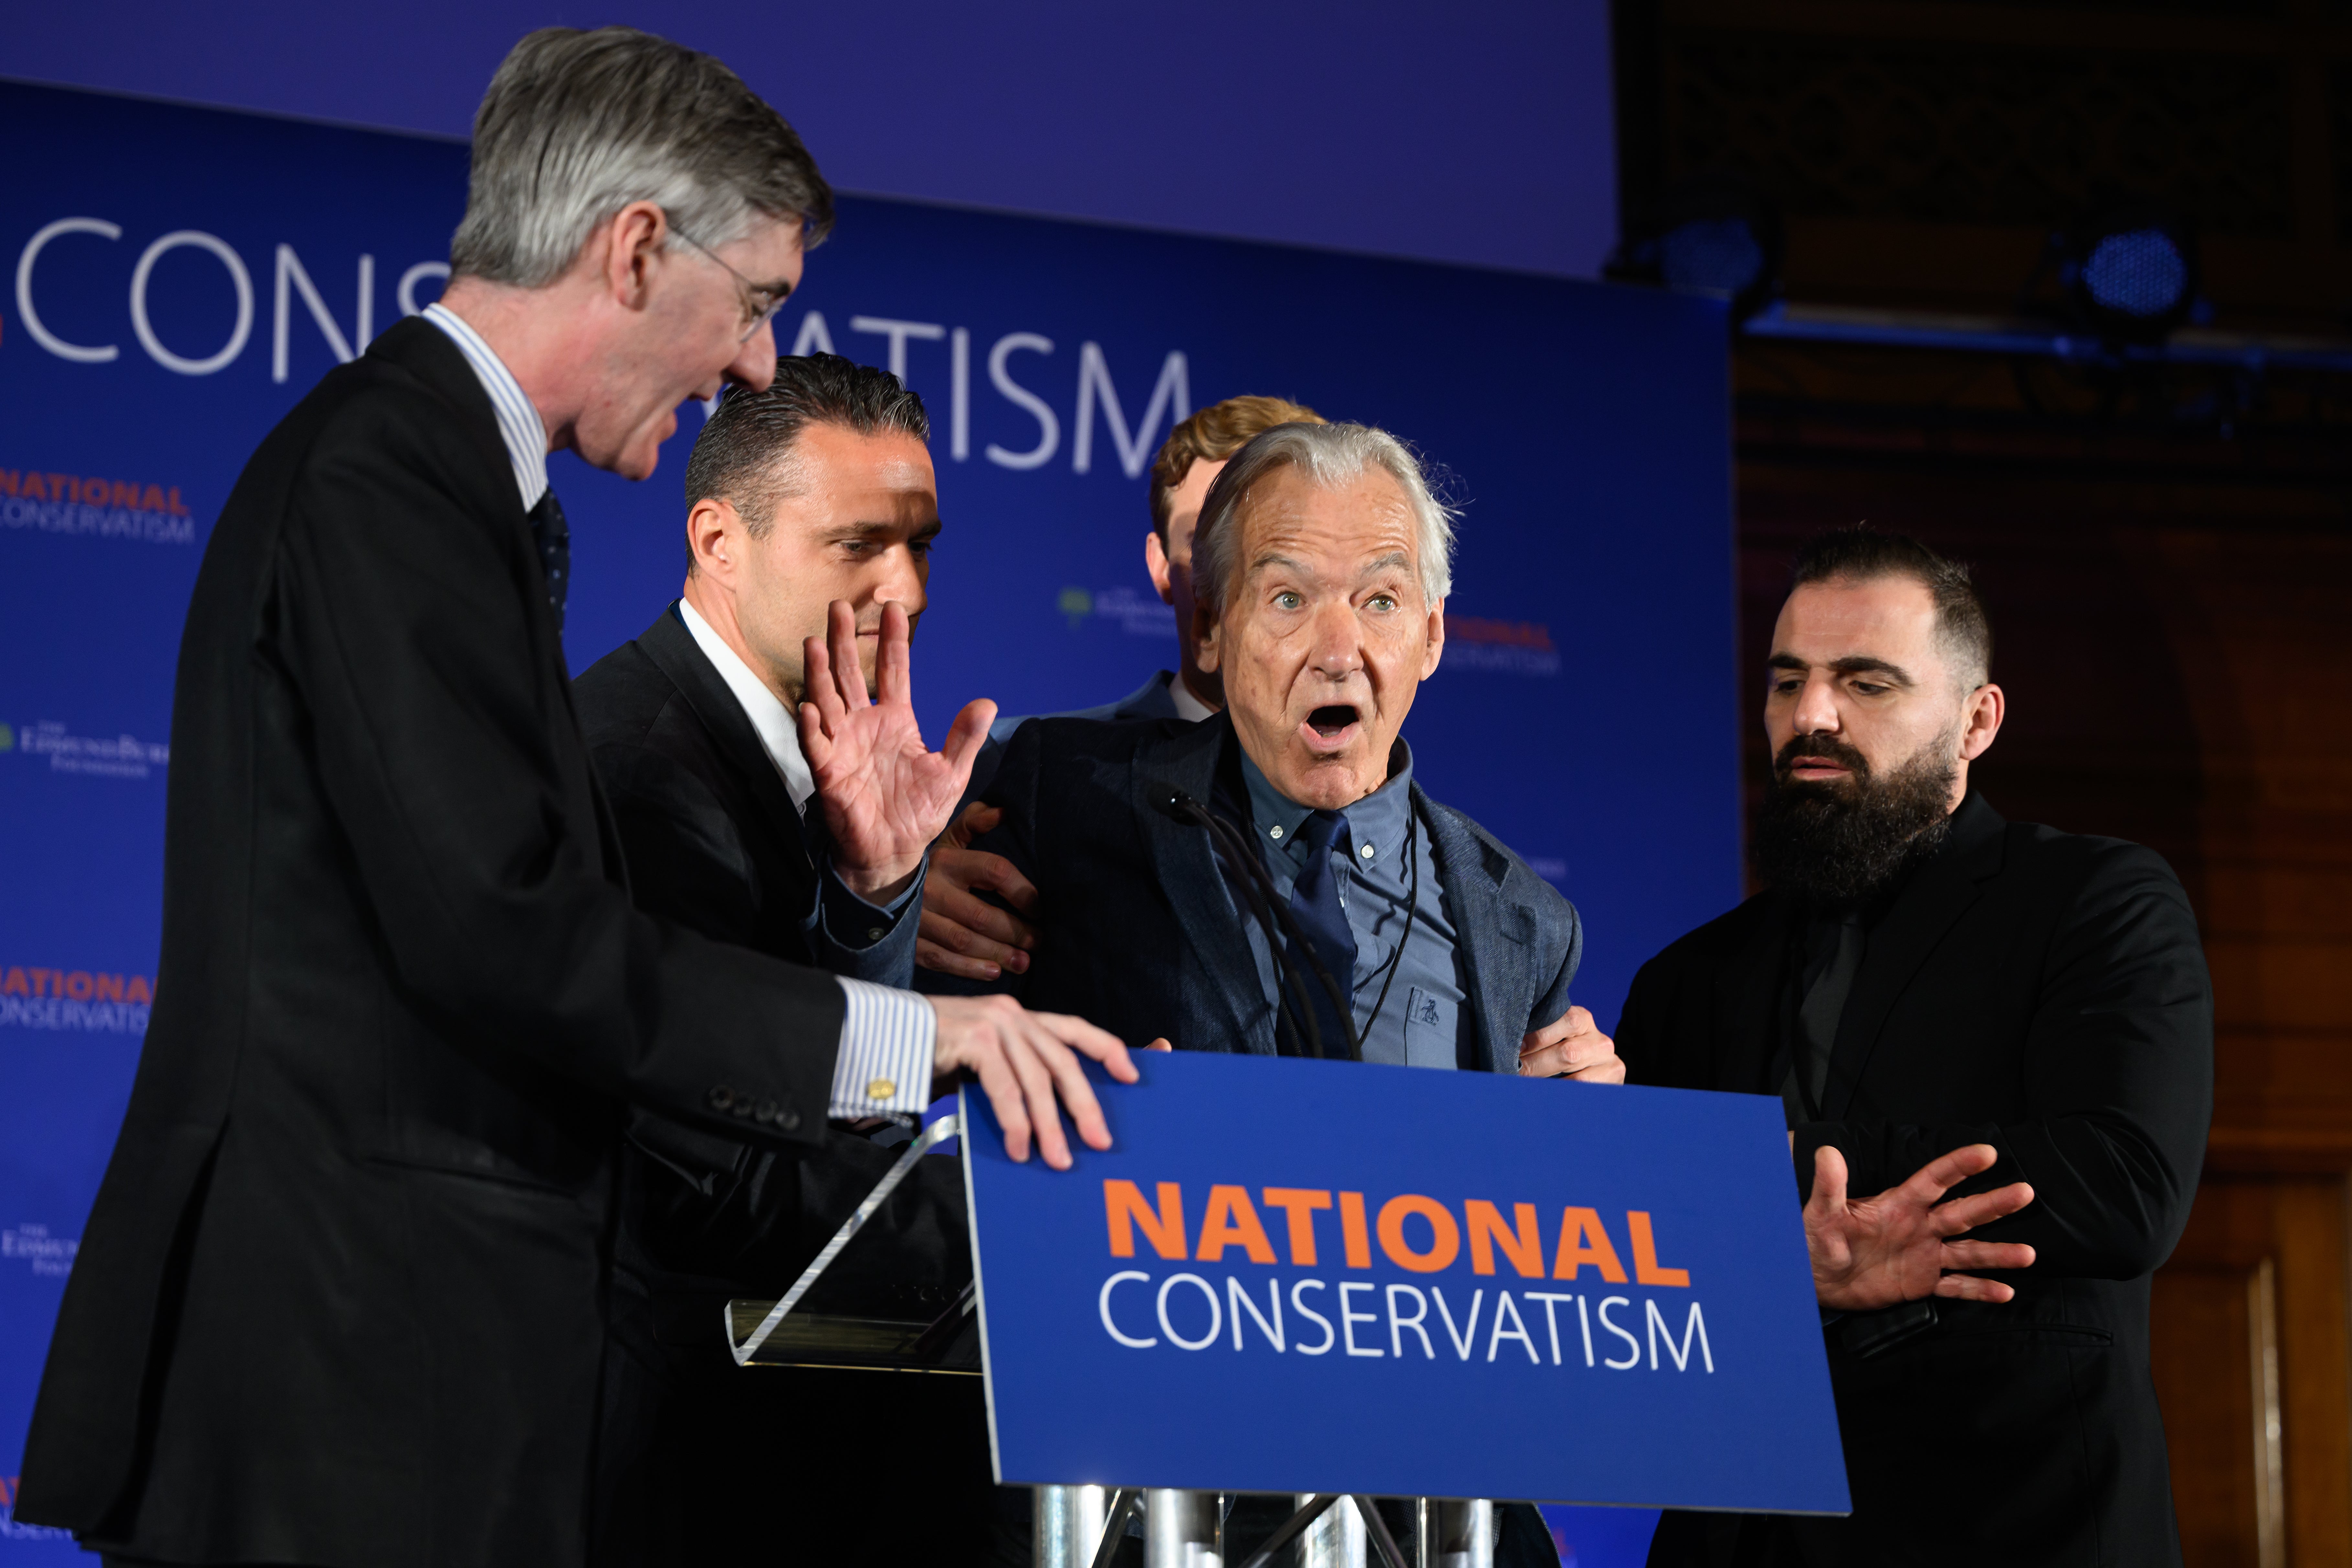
(1864, 554)
(742, 456)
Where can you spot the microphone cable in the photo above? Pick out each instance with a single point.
(1246, 870)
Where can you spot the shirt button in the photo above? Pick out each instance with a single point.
(1275, 832)
(881, 1089)
(874, 934)
(1366, 851)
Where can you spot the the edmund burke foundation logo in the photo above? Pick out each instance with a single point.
(1501, 647)
(96, 504)
(89, 1000)
(108, 756)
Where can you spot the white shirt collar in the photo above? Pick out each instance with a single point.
(520, 426)
(779, 731)
(1189, 707)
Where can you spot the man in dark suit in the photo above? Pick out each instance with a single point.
(817, 490)
(1393, 929)
(342, 1296)
(1927, 985)
(967, 936)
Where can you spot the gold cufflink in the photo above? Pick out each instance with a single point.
(881, 1089)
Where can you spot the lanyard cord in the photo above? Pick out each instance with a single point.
(1411, 906)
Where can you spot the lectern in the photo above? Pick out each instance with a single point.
(1315, 1313)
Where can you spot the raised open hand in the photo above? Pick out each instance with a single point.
(1898, 1246)
(886, 795)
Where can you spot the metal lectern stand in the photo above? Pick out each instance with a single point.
(771, 1333)
(1081, 1527)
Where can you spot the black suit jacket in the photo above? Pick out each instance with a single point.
(714, 843)
(341, 1298)
(2046, 993)
(1137, 930)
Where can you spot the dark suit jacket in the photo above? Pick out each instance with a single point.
(1152, 700)
(2045, 994)
(714, 843)
(1137, 930)
(342, 1297)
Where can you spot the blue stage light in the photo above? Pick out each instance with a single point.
(1721, 253)
(1715, 233)
(2129, 275)
(2142, 273)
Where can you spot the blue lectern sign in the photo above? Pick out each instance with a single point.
(1320, 1277)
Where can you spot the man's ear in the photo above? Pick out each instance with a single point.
(1436, 639)
(1980, 720)
(1155, 561)
(634, 239)
(714, 531)
(1208, 650)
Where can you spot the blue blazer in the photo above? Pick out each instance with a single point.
(1138, 934)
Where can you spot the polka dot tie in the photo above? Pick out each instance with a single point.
(553, 537)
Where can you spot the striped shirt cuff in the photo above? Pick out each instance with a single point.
(885, 1065)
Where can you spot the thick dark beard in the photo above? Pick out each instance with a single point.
(1836, 846)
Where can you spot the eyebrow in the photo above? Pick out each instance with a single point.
(1852, 664)
(1396, 558)
(867, 528)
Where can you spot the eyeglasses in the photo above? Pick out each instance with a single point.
(759, 303)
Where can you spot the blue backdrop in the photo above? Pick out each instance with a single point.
(180, 276)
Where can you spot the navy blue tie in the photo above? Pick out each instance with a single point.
(552, 535)
(1315, 904)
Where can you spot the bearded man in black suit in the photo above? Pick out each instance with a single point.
(1925, 985)
(342, 1299)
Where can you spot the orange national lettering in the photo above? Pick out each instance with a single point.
(1125, 1209)
(1523, 1245)
(1232, 1221)
(1446, 1237)
(1645, 1254)
(1582, 1241)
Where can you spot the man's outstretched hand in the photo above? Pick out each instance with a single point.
(962, 934)
(886, 795)
(1903, 1244)
(1027, 1061)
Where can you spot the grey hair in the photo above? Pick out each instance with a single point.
(575, 126)
(1329, 456)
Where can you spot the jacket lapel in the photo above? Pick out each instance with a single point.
(1494, 932)
(1186, 867)
(1940, 894)
(675, 653)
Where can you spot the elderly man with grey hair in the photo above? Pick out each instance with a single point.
(344, 1298)
(1271, 879)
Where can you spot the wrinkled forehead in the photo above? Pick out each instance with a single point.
(1355, 520)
